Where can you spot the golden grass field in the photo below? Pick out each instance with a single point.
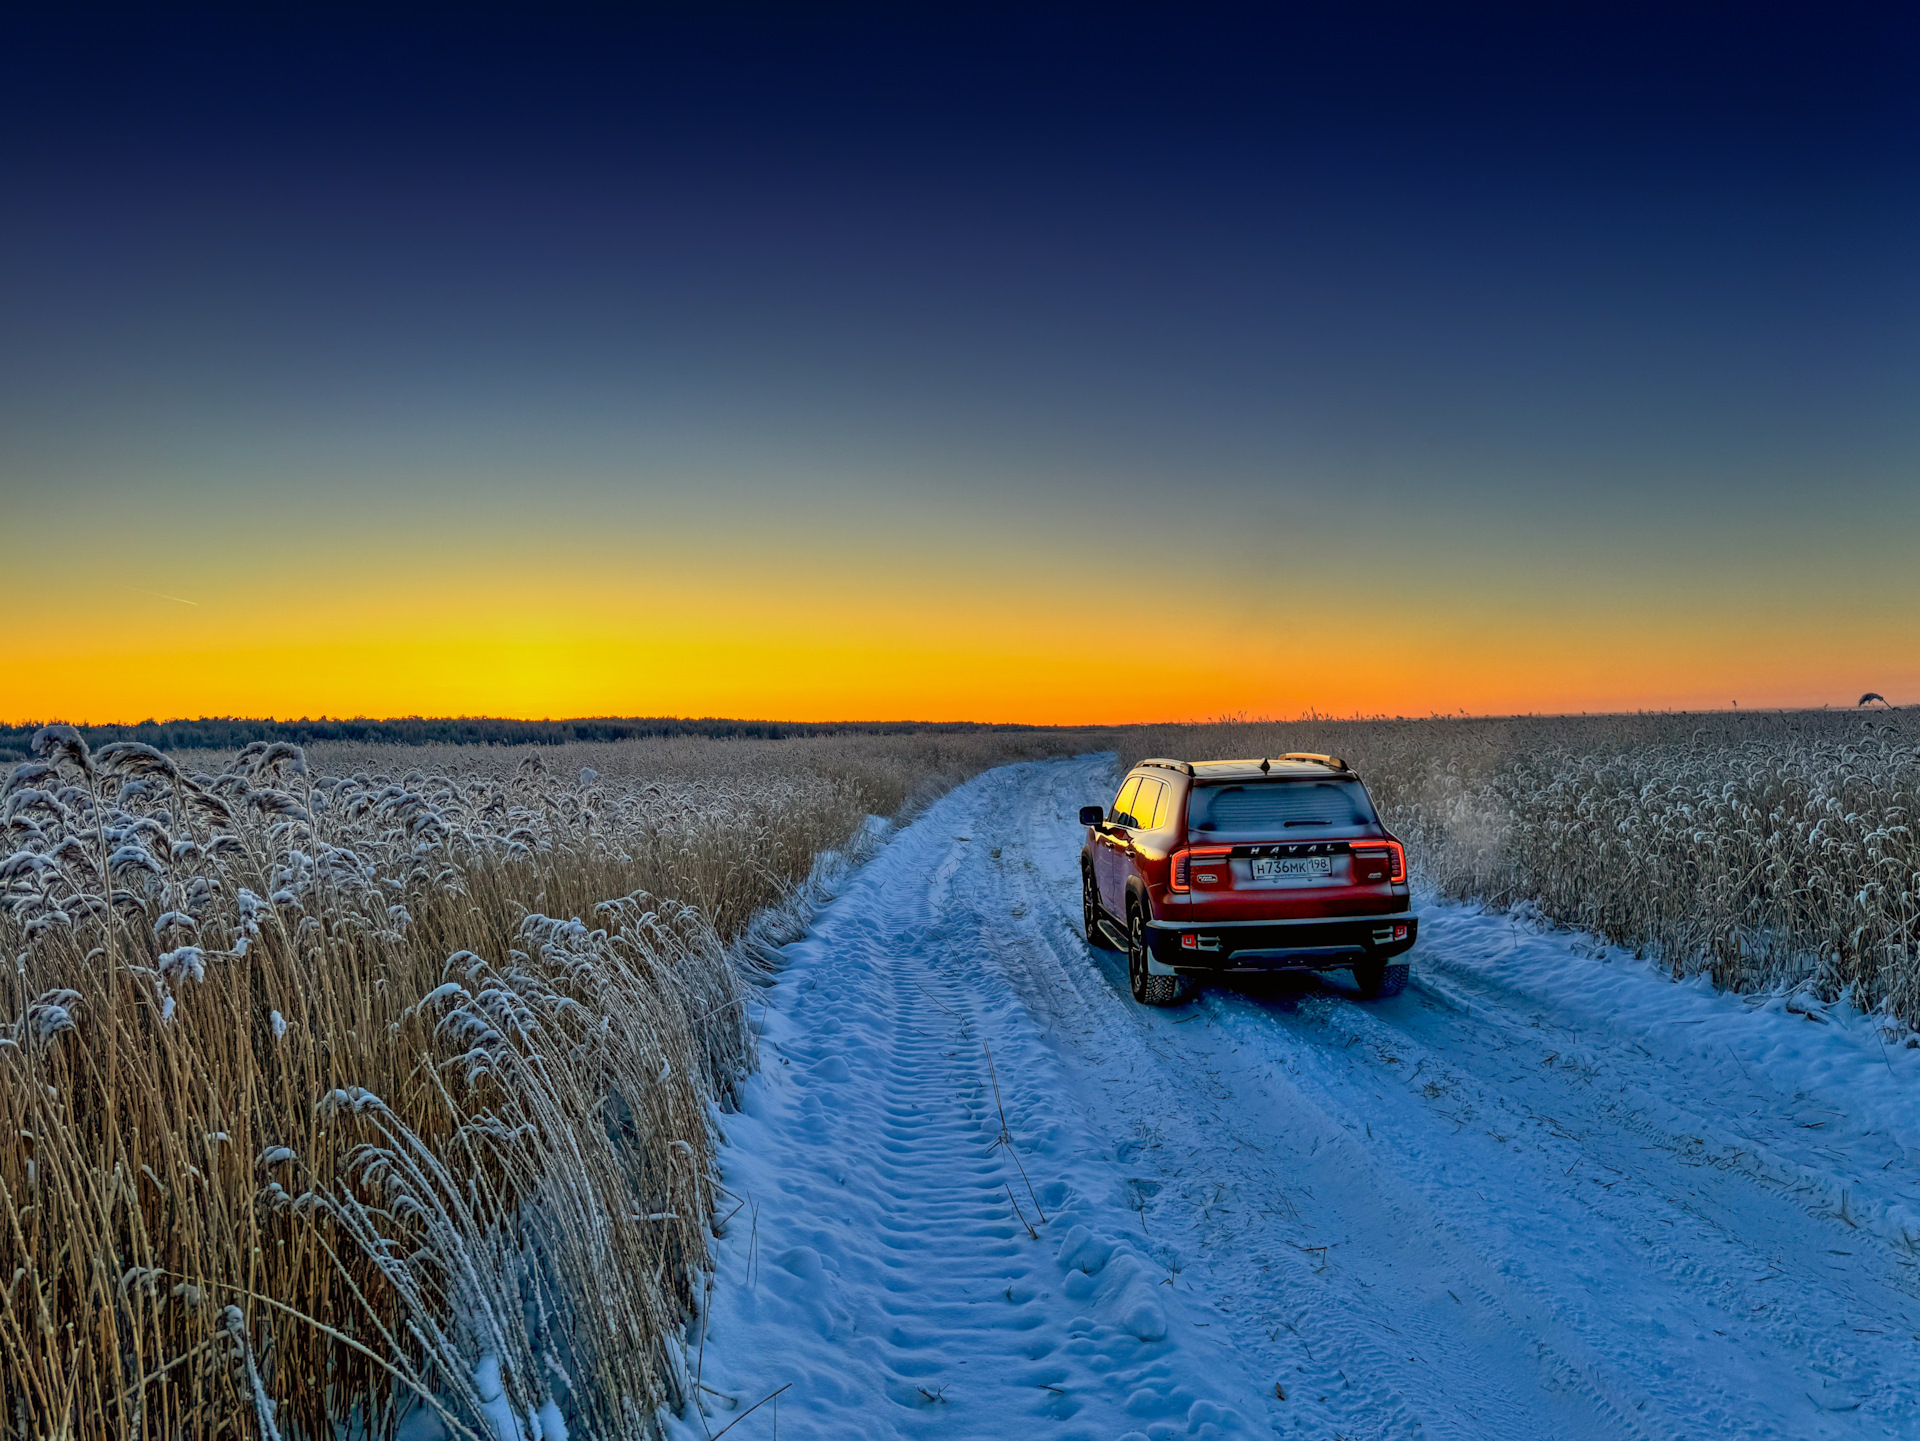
(329, 1076)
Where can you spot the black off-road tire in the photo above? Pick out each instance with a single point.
(1090, 910)
(1147, 989)
(1380, 979)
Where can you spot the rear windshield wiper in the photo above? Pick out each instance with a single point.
(1292, 824)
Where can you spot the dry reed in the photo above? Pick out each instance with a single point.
(333, 1097)
(1767, 849)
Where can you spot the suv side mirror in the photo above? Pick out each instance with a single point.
(1092, 815)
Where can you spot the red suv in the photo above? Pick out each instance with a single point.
(1208, 867)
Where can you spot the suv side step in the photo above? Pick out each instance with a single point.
(1113, 933)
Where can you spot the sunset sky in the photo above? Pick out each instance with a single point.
(1058, 363)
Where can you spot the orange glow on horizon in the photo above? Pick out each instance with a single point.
(817, 621)
(983, 673)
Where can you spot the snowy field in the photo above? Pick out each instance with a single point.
(1543, 1193)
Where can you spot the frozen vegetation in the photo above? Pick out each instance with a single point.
(341, 1096)
(499, 1093)
(1762, 849)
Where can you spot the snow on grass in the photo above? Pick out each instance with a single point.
(537, 1151)
(1761, 847)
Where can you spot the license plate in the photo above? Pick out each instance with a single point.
(1276, 868)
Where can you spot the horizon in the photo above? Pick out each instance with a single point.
(937, 722)
(1039, 365)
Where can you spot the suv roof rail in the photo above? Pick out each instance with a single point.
(1164, 764)
(1331, 762)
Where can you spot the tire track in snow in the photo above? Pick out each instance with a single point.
(1357, 1373)
(882, 1266)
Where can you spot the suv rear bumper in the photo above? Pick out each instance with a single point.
(1323, 943)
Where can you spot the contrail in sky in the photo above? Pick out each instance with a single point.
(162, 595)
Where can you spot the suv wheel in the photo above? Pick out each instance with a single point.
(1377, 979)
(1147, 989)
(1090, 910)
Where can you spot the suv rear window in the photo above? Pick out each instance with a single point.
(1267, 806)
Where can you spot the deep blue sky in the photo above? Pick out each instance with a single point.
(1533, 320)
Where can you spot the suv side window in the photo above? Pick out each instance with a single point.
(1122, 812)
(1150, 808)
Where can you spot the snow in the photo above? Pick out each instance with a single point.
(1835, 1088)
(496, 1412)
(495, 1409)
(1544, 1192)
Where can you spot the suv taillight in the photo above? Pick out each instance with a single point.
(1396, 857)
(1181, 875)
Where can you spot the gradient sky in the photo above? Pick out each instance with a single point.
(1069, 363)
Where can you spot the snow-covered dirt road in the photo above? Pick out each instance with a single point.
(1543, 1193)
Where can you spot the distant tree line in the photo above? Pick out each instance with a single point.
(232, 732)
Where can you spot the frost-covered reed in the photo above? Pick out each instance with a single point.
(334, 1092)
(1766, 849)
